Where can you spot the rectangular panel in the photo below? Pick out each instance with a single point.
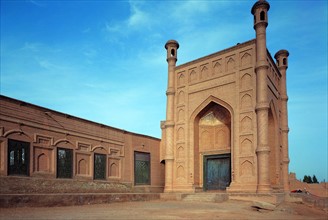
(18, 157)
(141, 168)
(100, 166)
(217, 172)
(64, 163)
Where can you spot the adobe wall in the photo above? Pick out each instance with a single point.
(46, 131)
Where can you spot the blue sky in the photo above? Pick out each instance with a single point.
(105, 60)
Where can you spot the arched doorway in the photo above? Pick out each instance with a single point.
(212, 151)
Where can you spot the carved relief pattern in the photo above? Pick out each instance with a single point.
(214, 130)
(204, 73)
(246, 146)
(180, 152)
(246, 124)
(217, 68)
(181, 97)
(180, 134)
(181, 113)
(246, 102)
(246, 81)
(181, 79)
(230, 64)
(206, 141)
(192, 76)
(247, 168)
(246, 59)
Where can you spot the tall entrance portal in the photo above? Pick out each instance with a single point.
(226, 122)
(213, 147)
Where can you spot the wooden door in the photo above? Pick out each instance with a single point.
(217, 172)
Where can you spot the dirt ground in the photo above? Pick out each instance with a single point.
(166, 210)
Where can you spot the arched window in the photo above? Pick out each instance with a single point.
(284, 61)
(262, 16)
(172, 52)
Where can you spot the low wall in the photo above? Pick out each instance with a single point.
(27, 185)
(49, 200)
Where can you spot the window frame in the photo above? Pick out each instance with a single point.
(104, 156)
(18, 147)
(62, 174)
(148, 155)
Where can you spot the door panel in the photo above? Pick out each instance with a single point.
(217, 172)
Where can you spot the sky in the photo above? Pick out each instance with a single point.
(105, 61)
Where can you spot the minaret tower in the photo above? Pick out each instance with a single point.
(260, 11)
(172, 47)
(282, 63)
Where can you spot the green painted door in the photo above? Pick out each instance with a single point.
(217, 175)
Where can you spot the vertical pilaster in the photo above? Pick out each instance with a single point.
(260, 10)
(171, 46)
(282, 62)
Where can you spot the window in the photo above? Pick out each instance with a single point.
(262, 16)
(18, 157)
(100, 167)
(141, 168)
(172, 52)
(64, 163)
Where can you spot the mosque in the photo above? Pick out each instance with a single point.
(226, 129)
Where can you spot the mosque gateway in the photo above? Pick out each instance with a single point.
(226, 118)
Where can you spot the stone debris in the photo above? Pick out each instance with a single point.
(263, 205)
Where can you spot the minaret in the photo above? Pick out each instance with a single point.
(282, 63)
(172, 47)
(260, 11)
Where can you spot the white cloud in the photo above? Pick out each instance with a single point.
(138, 18)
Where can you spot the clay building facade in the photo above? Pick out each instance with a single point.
(36, 142)
(226, 128)
(226, 118)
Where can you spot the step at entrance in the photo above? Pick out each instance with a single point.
(205, 197)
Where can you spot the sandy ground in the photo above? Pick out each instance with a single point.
(166, 210)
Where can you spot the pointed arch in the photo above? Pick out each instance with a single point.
(246, 59)
(208, 101)
(246, 146)
(246, 124)
(217, 68)
(204, 72)
(192, 76)
(180, 172)
(230, 64)
(180, 134)
(211, 102)
(181, 97)
(181, 115)
(246, 81)
(181, 79)
(180, 152)
(246, 101)
(247, 168)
